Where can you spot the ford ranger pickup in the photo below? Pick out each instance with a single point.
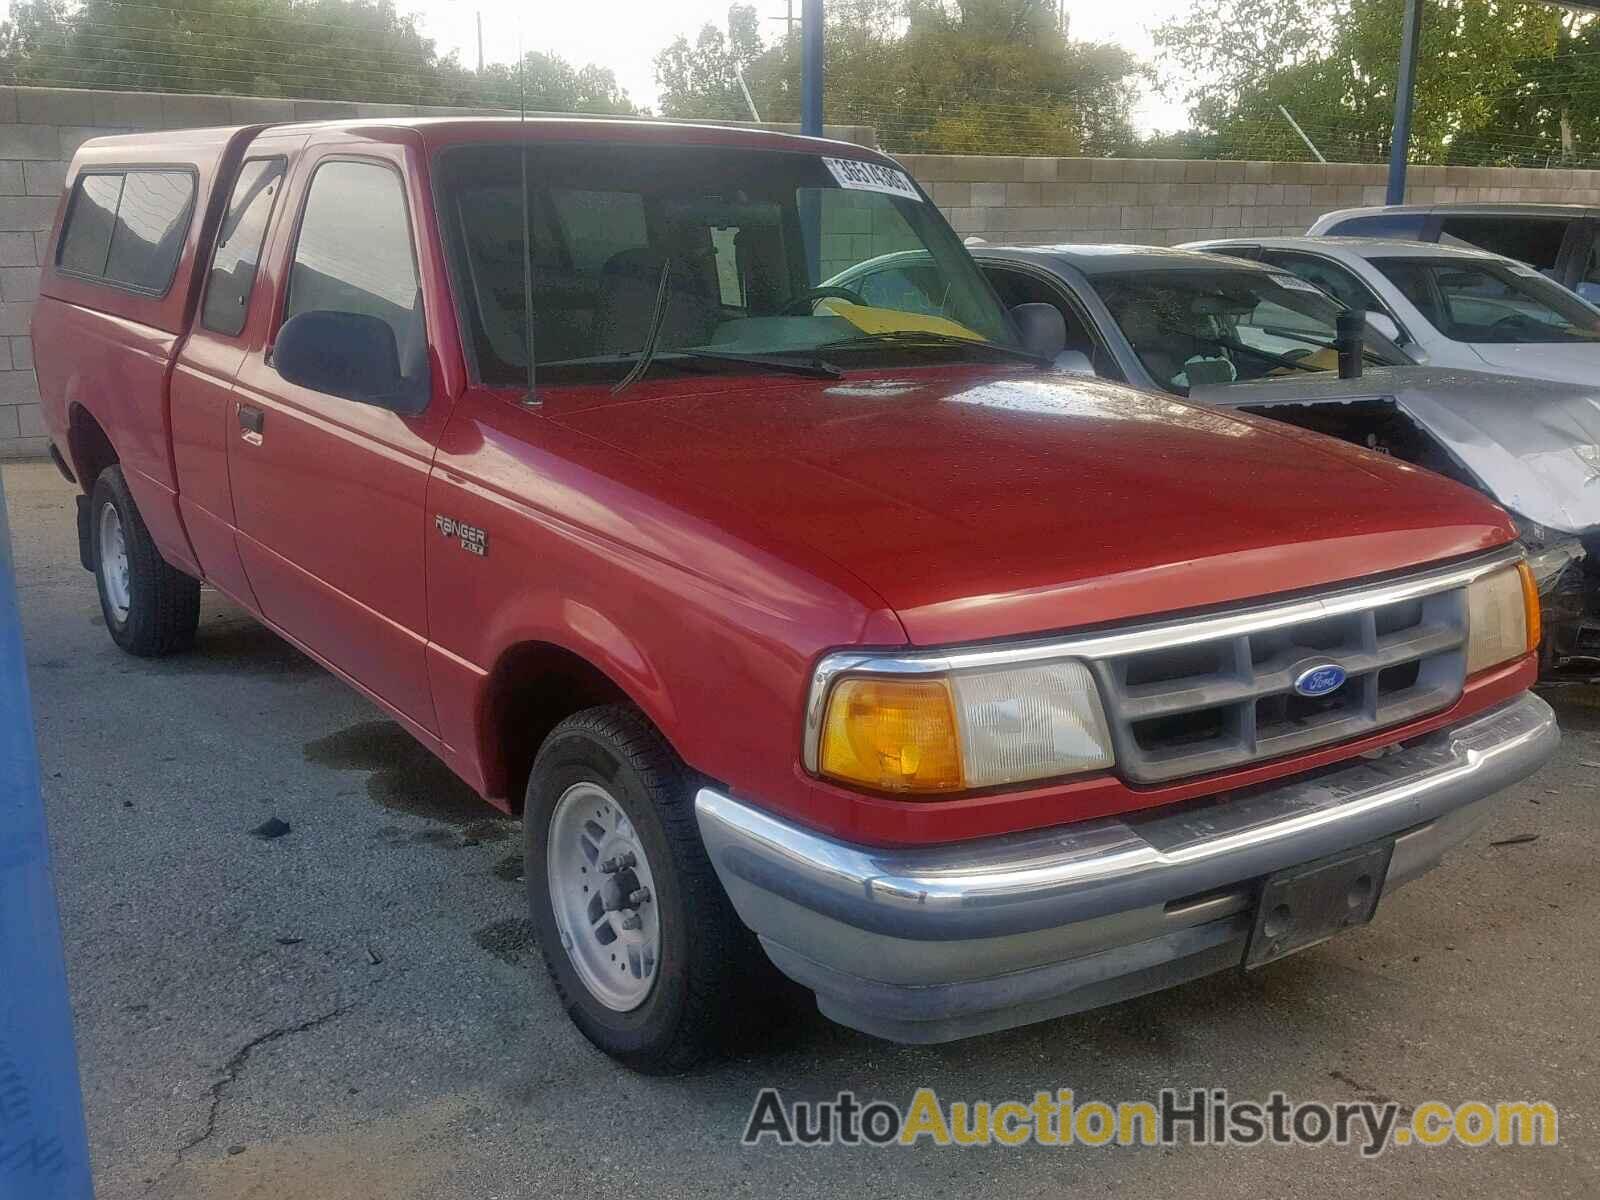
(804, 626)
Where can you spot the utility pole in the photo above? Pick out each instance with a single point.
(480, 43)
(788, 19)
(811, 68)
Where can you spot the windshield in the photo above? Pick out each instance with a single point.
(729, 250)
(1491, 302)
(1195, 328)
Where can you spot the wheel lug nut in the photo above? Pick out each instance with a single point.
(620, 862)
(632, 921)
(639, 897)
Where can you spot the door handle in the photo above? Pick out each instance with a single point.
(251, 422)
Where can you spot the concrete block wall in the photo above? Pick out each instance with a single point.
(1166, 201)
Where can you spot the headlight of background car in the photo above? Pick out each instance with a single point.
(975, 729)
(1502, 617)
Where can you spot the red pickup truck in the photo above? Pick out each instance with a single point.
(799, 622)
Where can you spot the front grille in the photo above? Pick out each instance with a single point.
(1209, 705)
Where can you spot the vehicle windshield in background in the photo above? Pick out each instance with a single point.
(750, 237)
(1491, 301)
(1201, 328)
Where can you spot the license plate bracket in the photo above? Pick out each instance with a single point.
(1304, 905)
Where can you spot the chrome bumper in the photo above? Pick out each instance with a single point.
(934, 943)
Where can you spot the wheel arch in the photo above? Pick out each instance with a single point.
(533, 686)
(89, 446)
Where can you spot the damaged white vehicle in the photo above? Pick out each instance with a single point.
(1533, 446)
(1250, 337)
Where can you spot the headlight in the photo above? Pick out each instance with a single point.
(973, 729)
(1502, 617)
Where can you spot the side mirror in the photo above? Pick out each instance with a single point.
(350, 355)
(1386, 325)
(1074, 362)
(1043, 329)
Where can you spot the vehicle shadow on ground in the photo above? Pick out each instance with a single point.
(229, 643)
(1158, 1028)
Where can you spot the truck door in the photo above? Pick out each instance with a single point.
(329, 493)
(202, 378)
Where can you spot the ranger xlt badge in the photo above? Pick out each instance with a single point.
(473, 540)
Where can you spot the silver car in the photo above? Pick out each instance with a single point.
(1560, 240)
(1247, 336)
(1444, 306)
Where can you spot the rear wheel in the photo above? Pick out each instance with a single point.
(644, 948)
(150, 607)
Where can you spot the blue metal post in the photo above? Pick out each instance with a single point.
(44, 1153)
(811, 68)
(1405, 96)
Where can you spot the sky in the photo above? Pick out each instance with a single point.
(626, 34)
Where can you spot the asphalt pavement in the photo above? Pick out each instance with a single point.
(354, 1009)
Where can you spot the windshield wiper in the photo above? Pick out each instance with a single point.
(653, 334)
(685, 360)
(815, 368)
(927, 339)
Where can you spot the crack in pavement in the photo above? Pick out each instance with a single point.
(230, 1074)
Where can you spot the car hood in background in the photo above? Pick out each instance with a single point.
(1567, 362)
(979, 504)
(1533, 444)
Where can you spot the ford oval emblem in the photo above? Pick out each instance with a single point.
(1320, 679)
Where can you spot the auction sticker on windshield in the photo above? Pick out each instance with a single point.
(1295, 283)
(871, 177)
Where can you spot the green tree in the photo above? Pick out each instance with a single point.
(983, 76)
(1499, 81)
(316, 49)
(549, 83)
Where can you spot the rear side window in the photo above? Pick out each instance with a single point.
(1532, 240)
(233, 267)
(127, 228)
(1335, 280)
(87, 238)
(1406, 226)
(599, 224)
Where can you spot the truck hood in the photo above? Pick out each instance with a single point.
(978, 505)
(1533, 444)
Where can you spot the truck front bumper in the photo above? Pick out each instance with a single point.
(930, 944)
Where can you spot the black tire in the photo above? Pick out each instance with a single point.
(707, 959)
(163, 603)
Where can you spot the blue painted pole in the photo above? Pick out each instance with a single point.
(44, 1151)
(1405, 96)
(811, 68)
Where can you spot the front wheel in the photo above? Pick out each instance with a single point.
(151, 608)
(644, 948)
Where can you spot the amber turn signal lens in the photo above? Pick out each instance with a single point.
(893, 735)
(1530, 603)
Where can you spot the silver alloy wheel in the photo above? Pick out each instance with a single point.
(114, 562)
(603, 895)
